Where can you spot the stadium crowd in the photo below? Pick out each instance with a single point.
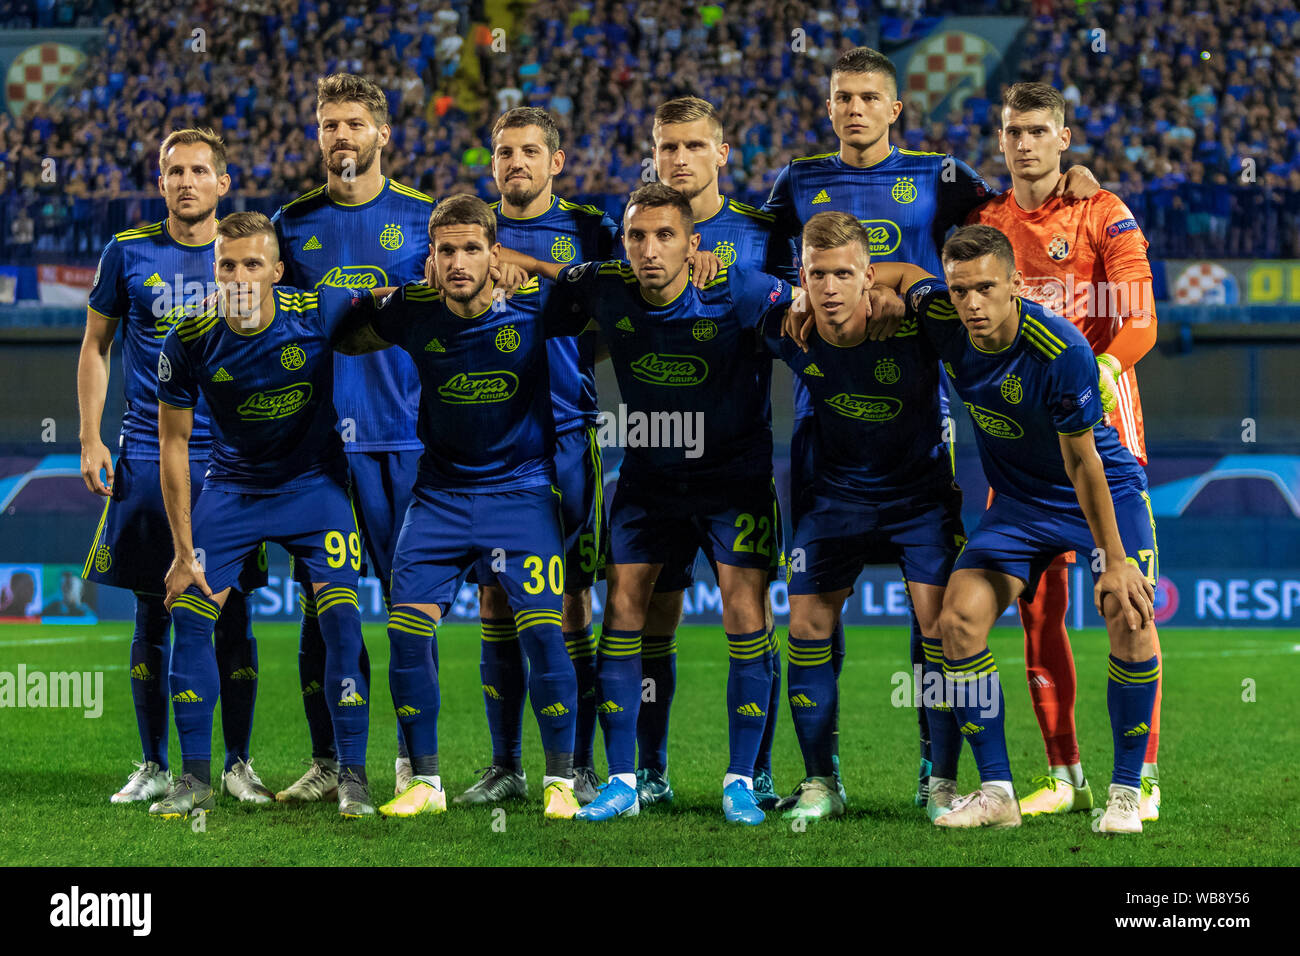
(1191, 116)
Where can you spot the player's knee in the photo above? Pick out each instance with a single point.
(575, 613)
(665, 612)
(493, 602)
(960, 631)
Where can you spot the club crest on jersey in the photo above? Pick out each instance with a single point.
(354, 277)
(903, 190)
(562, 249)
(478, 388)
(164, 368)
(999, 426)
(507, 339)
(887, 371)
(1058, 248)
(704, 330)
(292, 357)
(656, 369)
(276, 403)
(1011, 390)
(866, 408)
(103, 559)
(726, 253)
(574, 274)
(884, 234)
(391, 238)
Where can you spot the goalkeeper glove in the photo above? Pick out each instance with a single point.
(1109, 371)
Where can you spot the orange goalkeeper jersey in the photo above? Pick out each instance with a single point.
(1088, 262)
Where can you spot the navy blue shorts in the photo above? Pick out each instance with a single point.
(655, 521)
(580, 477)
(381, 486)
(1022, 539)
(132, 547)
(836, 537)
(315, 524)
(515, 536)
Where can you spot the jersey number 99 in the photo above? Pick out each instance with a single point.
(339, 551)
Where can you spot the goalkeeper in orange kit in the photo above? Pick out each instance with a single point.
(1087, 261)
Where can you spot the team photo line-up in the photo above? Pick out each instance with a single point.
(349, 393)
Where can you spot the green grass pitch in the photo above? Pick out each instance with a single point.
(1227, 768)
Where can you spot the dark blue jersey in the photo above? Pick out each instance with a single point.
(701, 353)
(1024, 397)
(878, 432)
(908, 201)
(381, 242)
(144, 281)
(741, 235)
(486, 419)
(566, 232)
(271, 393)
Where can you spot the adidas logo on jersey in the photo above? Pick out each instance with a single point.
(812, 369)
(491, 691)
(244, 673)
(624, 325)
(608, 707)
(311, 245)
(554, 710)
(1138, 731)
(801, 700)
(750, 710)
(153, 280)
(141, 672)
(222, 376)
(406, 710)
(311, 688)
(820, 197)
(435, 346)
(187, 697)
(352, 700)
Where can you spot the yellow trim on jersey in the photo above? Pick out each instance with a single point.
(189, 329)
(745, 209)
(187, 245)
(353, 205)
(919, 152)
(307, 195)
(532, 285)
(110, 318)
(681, 292)
(588, 208)
(620, 267)
(1082, 430)
(717, 212)
(1044, 334)
(276, 309)
(142, 232)
(804, 159)
(417, 293)
(502, 213)
(410, 191)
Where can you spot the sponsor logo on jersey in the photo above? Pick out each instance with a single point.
(164, 368)
(704, 330)
(999, 426)
(311, 245)
(1047, 291)
(391, 237)
(435, 346)
(1124, 225)
(820, 197)
(221, 375)
(292, 357)
(903, 190)
(884, 234)
(812, 369)
(478, 388)
(726, 252)
(887, 371)
(624, 325)
(562, 249)
(656, 369)
(866, 408)
(1011, 390)
(354, 277)
(276, 403)
(507, 339)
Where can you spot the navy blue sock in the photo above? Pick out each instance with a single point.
(346, 689)
(837, 664)
(918, 660)
(658, 665)
(813, 696)
(236, 652)
(552, 684)
(581, 646)
(618, 690)
(945, 738)
(194, 680)
(1130, 697)
(976, 693)
(311, 678)
(413, 679)
(763, 763)
(749, 687)
(150, 661)
(503, 669)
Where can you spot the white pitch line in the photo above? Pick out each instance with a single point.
(83, 639)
